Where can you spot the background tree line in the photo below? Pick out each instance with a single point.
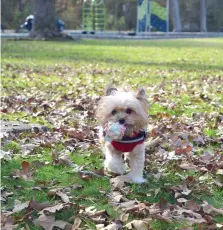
(121, 14)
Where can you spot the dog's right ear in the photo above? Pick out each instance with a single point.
(110, 90)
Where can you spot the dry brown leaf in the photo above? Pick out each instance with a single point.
(219, 172)
(215, 226)
(77, 223)
(64, 159)
(49, 222)
(99, 220)
(117, 182)
(182, 200)
(124, 217)
(115, 196)
(187, 166)
(139, 224)
(218, 183)
(99, 226)
(128, 204)
(5, 155)
(28, 149)
(185, 190)
(4, 194)
(24, 173)
(52, 209)
(207, 208)
(39, 206)
(162, 218)
(63, 196)
(183, 150)
(19, 206)
(190, 204)
(111, 226)
(7, 222)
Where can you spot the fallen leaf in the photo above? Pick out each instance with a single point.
(49, 222)
(99, 226)
(139, 224)
(124, 217)
(5, 155)
(52, 209)
(128, 204)
(206, 157)
(63, 196)
(162, 218)
(7, 222)
(187, 166)
(219, 172)
(77, 223)
(19, 206)
(24, 173)
(207, 208)
(64, 159)
(215, 226)
(111, 226)
(28, 149)
(182, 200)
(190, 204)
(4, 195)
(39, 206)
(117, 182)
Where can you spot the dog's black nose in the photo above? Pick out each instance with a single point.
(121, 121)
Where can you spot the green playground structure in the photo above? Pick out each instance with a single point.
(93, 16)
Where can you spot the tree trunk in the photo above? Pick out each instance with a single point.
(129, 9)
(44, 20)
(176, 16)
(203, 21)
(20, 6)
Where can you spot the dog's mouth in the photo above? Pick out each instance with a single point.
(129, 129)
(128, 126)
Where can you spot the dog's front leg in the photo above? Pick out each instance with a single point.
(136, 163)
(113, 160)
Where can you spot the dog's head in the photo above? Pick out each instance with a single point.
(123, 106)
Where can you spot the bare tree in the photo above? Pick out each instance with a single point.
(175, 12)
(203, 20)
(44, 20)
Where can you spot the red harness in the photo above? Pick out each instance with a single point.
(127, 144)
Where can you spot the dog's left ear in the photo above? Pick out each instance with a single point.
(141, 95)
(110, 90)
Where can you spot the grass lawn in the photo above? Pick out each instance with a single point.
(57, 84)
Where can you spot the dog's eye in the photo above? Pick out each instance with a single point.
(129, 111)
(114, 112)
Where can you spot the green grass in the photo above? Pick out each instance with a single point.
(177, 72)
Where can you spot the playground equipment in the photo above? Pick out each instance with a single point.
(93, 15)
(152, 15)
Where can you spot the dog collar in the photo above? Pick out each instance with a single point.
(127, 144)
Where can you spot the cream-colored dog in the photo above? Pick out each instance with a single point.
(129, 109)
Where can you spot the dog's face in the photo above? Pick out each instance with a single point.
(126, 107)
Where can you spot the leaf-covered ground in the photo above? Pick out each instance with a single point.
(53, 177)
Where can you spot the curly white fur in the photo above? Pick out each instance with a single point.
(121, 101)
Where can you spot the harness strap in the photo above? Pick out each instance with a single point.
(127, 144)
(141, 136)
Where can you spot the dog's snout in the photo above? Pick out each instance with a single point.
(121, 121)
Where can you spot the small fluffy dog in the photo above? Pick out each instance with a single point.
(129, 109)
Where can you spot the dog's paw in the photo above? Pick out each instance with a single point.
(136, 179)
(115, 167)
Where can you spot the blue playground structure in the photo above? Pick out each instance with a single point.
(152, 15)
